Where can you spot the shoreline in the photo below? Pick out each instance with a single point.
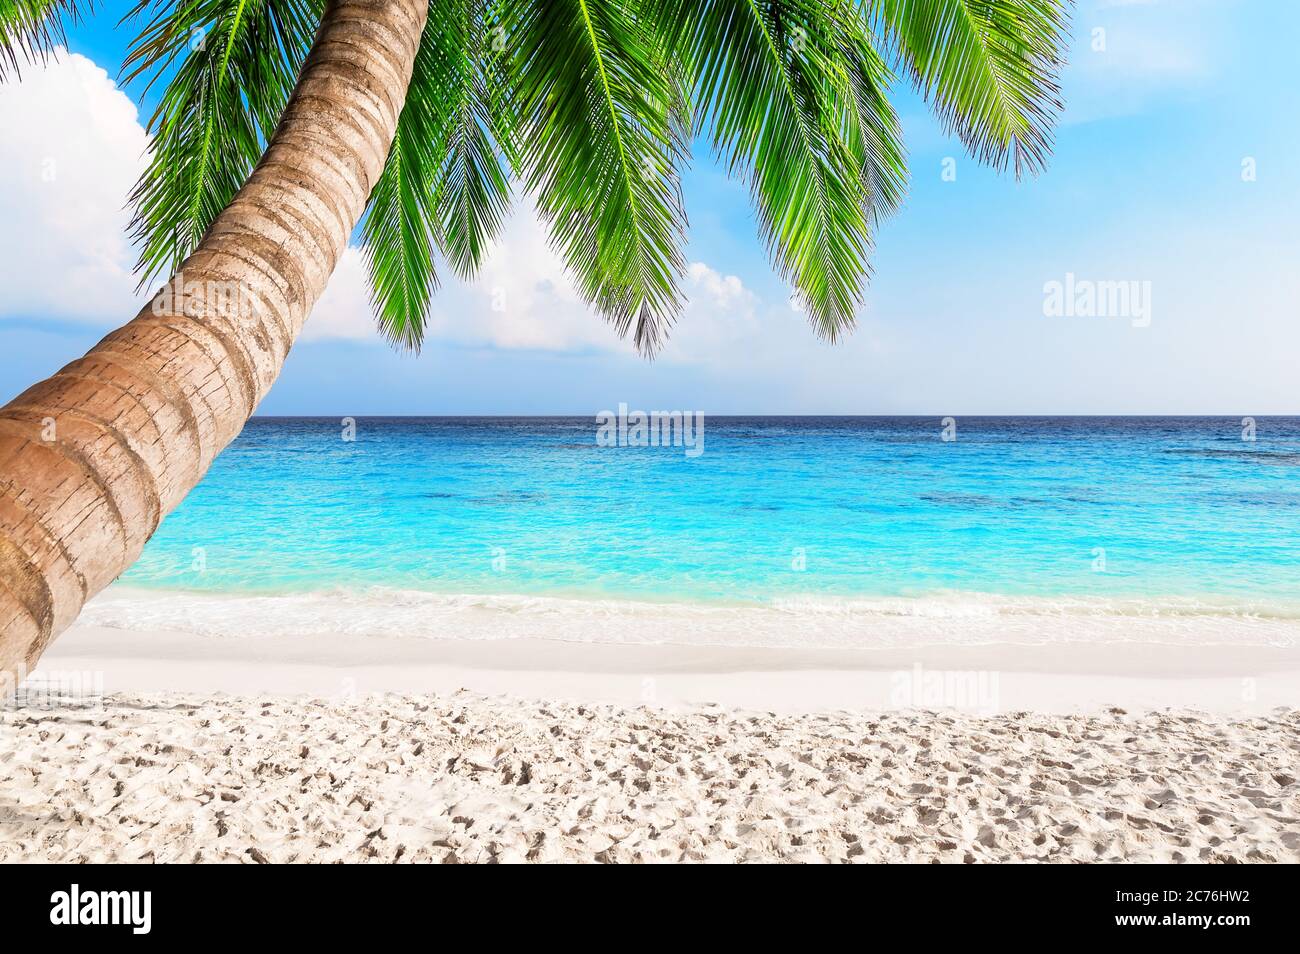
(983, 680)
(948, 618)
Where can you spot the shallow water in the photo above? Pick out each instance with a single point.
(864, 520)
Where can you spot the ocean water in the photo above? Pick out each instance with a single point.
(819, 531)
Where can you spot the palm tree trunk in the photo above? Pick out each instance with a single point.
(94, 457)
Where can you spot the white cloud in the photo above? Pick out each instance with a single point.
(726, 292)
(344, 310)
(71, 150)
(720, 318)
(523, 298)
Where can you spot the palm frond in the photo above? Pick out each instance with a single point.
(444, 184)
(473, 192)
(875, 136)
(397, 234)
(989, 68)
(397, 245)
(792, 108)
(229, 66)
(602, 146)
(31, 29)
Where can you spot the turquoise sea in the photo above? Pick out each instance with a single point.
(835, 530)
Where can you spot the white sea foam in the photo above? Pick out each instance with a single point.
(895, 622)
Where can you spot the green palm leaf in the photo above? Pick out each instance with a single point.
(31, 29)
(444, 184)
(472, 190)
(602, 144)
(791, 107)
(398, 247)
(989, 67)
(399, 230)
(593, 104)
(875, 136)
(230, 66)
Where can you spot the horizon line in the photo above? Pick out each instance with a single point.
(571, 416)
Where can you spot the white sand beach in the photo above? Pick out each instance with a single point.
(346, 749)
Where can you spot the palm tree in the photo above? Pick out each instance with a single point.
(282, 122)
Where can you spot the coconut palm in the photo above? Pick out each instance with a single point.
(282, 124)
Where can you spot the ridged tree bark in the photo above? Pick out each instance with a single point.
(94, 457)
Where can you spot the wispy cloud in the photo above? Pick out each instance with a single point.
(1128, 55)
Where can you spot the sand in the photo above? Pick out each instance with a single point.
(468, 778)
(368, 750)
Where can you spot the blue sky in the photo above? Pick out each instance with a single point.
(1164, 109)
